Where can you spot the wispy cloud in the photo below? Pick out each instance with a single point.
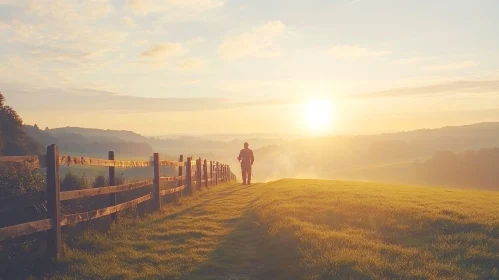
(191, 64)
(451, 66)
(353, 51)
(256, 42)
(412, 60)
(478, 87)
(173, 10)
(107, 102)
(70, 10)
(130, 22)
(51, 52)
(140, 7)
(163, 50)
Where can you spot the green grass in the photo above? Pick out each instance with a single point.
(301, 229)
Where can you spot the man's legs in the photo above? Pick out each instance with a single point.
(243, 169)
(249, 174)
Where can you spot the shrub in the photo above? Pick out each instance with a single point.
(73, 182)
(20, 181)
(100, 181)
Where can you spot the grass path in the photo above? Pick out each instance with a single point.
(211, 236)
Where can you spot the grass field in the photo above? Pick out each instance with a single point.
(301, 229)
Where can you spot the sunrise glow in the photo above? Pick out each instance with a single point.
(318, 115)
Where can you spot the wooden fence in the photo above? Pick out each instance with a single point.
(192, 175)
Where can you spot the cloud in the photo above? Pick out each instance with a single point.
(191, 64)
(351, 51)
(55, 53)
(173, 10)
(412, 60)
(86, 100)
(258, 41)
(195, 41)
(8, 2)
(128, 21)
(98, 8)
(163, 50)
(451, 66)
(140, 7)
(57, 10)
(478, 87)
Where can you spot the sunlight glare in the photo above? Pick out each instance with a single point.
(318, 115)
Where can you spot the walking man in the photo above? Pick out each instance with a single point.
(246, 158)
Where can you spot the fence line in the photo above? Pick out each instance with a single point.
(192, 175)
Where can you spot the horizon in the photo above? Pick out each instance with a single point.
(269, 135)
(318, 68)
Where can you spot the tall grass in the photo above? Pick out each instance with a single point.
(352, 230)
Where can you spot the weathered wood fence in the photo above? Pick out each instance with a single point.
(192, 175)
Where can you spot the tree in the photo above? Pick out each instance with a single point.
(13, 139)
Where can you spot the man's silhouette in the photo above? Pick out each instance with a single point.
(246, 158)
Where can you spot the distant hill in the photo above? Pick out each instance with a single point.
(319, 157)
(315, 157)
(77, 142)
(455, 138)
(100, 134)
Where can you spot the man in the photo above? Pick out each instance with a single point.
(246, 158)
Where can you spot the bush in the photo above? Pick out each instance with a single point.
(20, 180)
(24, 255)
(73, 182)
(100, 181)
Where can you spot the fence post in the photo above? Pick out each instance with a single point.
(54, 241)
(157, 193)
(188, 176)
(216, 173)
(211, 172)
(112, 182)
(180, 171)
(198, 174)
(224, 173)
(205, 173)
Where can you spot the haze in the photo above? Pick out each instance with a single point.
(158, 67)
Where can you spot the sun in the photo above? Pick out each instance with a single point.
(318, 116)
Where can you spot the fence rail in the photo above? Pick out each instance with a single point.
(35, 162)
(103, 190)
(192, 175)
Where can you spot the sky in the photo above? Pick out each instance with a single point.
(233, 66)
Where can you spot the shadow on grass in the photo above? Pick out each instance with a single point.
(249, 253)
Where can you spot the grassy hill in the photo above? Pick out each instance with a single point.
(301, 229)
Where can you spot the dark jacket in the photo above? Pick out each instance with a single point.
(246, 157)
